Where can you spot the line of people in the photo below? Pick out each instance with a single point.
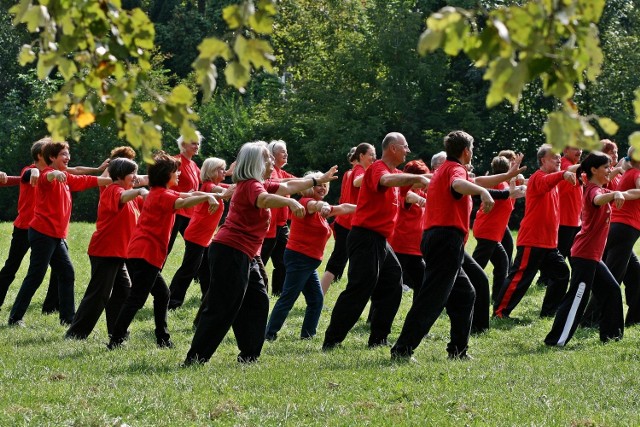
(391, 227)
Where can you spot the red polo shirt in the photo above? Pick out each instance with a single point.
(570, 197)
(539, 227)
(447, 208)
(309, 234)
(377, 205)
(592, 237)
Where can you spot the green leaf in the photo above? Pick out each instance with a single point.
(46, 62)
(59, 127)
(212, 48)
(591, 10)
(499, 72)
(260, 54)
(237, 75)
(429, 41)
(180, 95)
(636, 105)
(233, 16)
(67, 68)
(261, 22)
(608, 125)
(36, 17)
(634, 141)
(562, 130)
(27, 55)
(268, 6)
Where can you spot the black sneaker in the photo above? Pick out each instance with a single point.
(115, 343)
(328, 346)
(165, 343)
(271, 337)
(459, 356)
(380, 342)
(247, 359)
(19, 323)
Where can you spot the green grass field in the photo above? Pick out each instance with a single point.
(514, 379)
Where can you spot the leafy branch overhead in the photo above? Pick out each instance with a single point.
(551, 40)
(103, 53)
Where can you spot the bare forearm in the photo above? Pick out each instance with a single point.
(267, 200)
(467, 187)
(401, 179)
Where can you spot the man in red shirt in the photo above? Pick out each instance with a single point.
(374, 271)
(538, 240)
(446, 227)
(570, 204)
(189, 182)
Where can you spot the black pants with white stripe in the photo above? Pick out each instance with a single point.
(586, 275)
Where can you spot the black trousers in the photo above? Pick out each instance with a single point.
(566, 236)
(412, 271)
(374, 273)
(587, 275)
(145, 279)
(489, 250)
(446, 286)
(236, 299)
(339, 257)
(108, 288)
(190, 267)
(480, 283)
(179, 226)
(47, 250)
(17, 250)
(273, 248)
(527, 263)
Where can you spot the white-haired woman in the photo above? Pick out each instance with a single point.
(198, 235)
(237, 296)
(302, 257)
(189, 181)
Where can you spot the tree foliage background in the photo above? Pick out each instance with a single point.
(346, 72)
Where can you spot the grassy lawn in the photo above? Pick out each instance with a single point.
(513, 380)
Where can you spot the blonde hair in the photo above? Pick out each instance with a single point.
(209, 167)
(309, 191)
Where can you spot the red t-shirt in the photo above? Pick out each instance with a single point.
(629, 213)
(539, 227)
(345, 188)
(570, 199)
(592, 237)
(491, 225)
(26, 200)
(52, 210)
(377, 205)
(309, 235)
(150, 239)
(444, 209)
(613, 184)
(246, 224)
(189, 180)
(407, 233)
(203, 224)
(115, 223)
(279, 216)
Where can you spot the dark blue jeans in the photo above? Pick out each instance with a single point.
(46, 250)
(301, 277)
